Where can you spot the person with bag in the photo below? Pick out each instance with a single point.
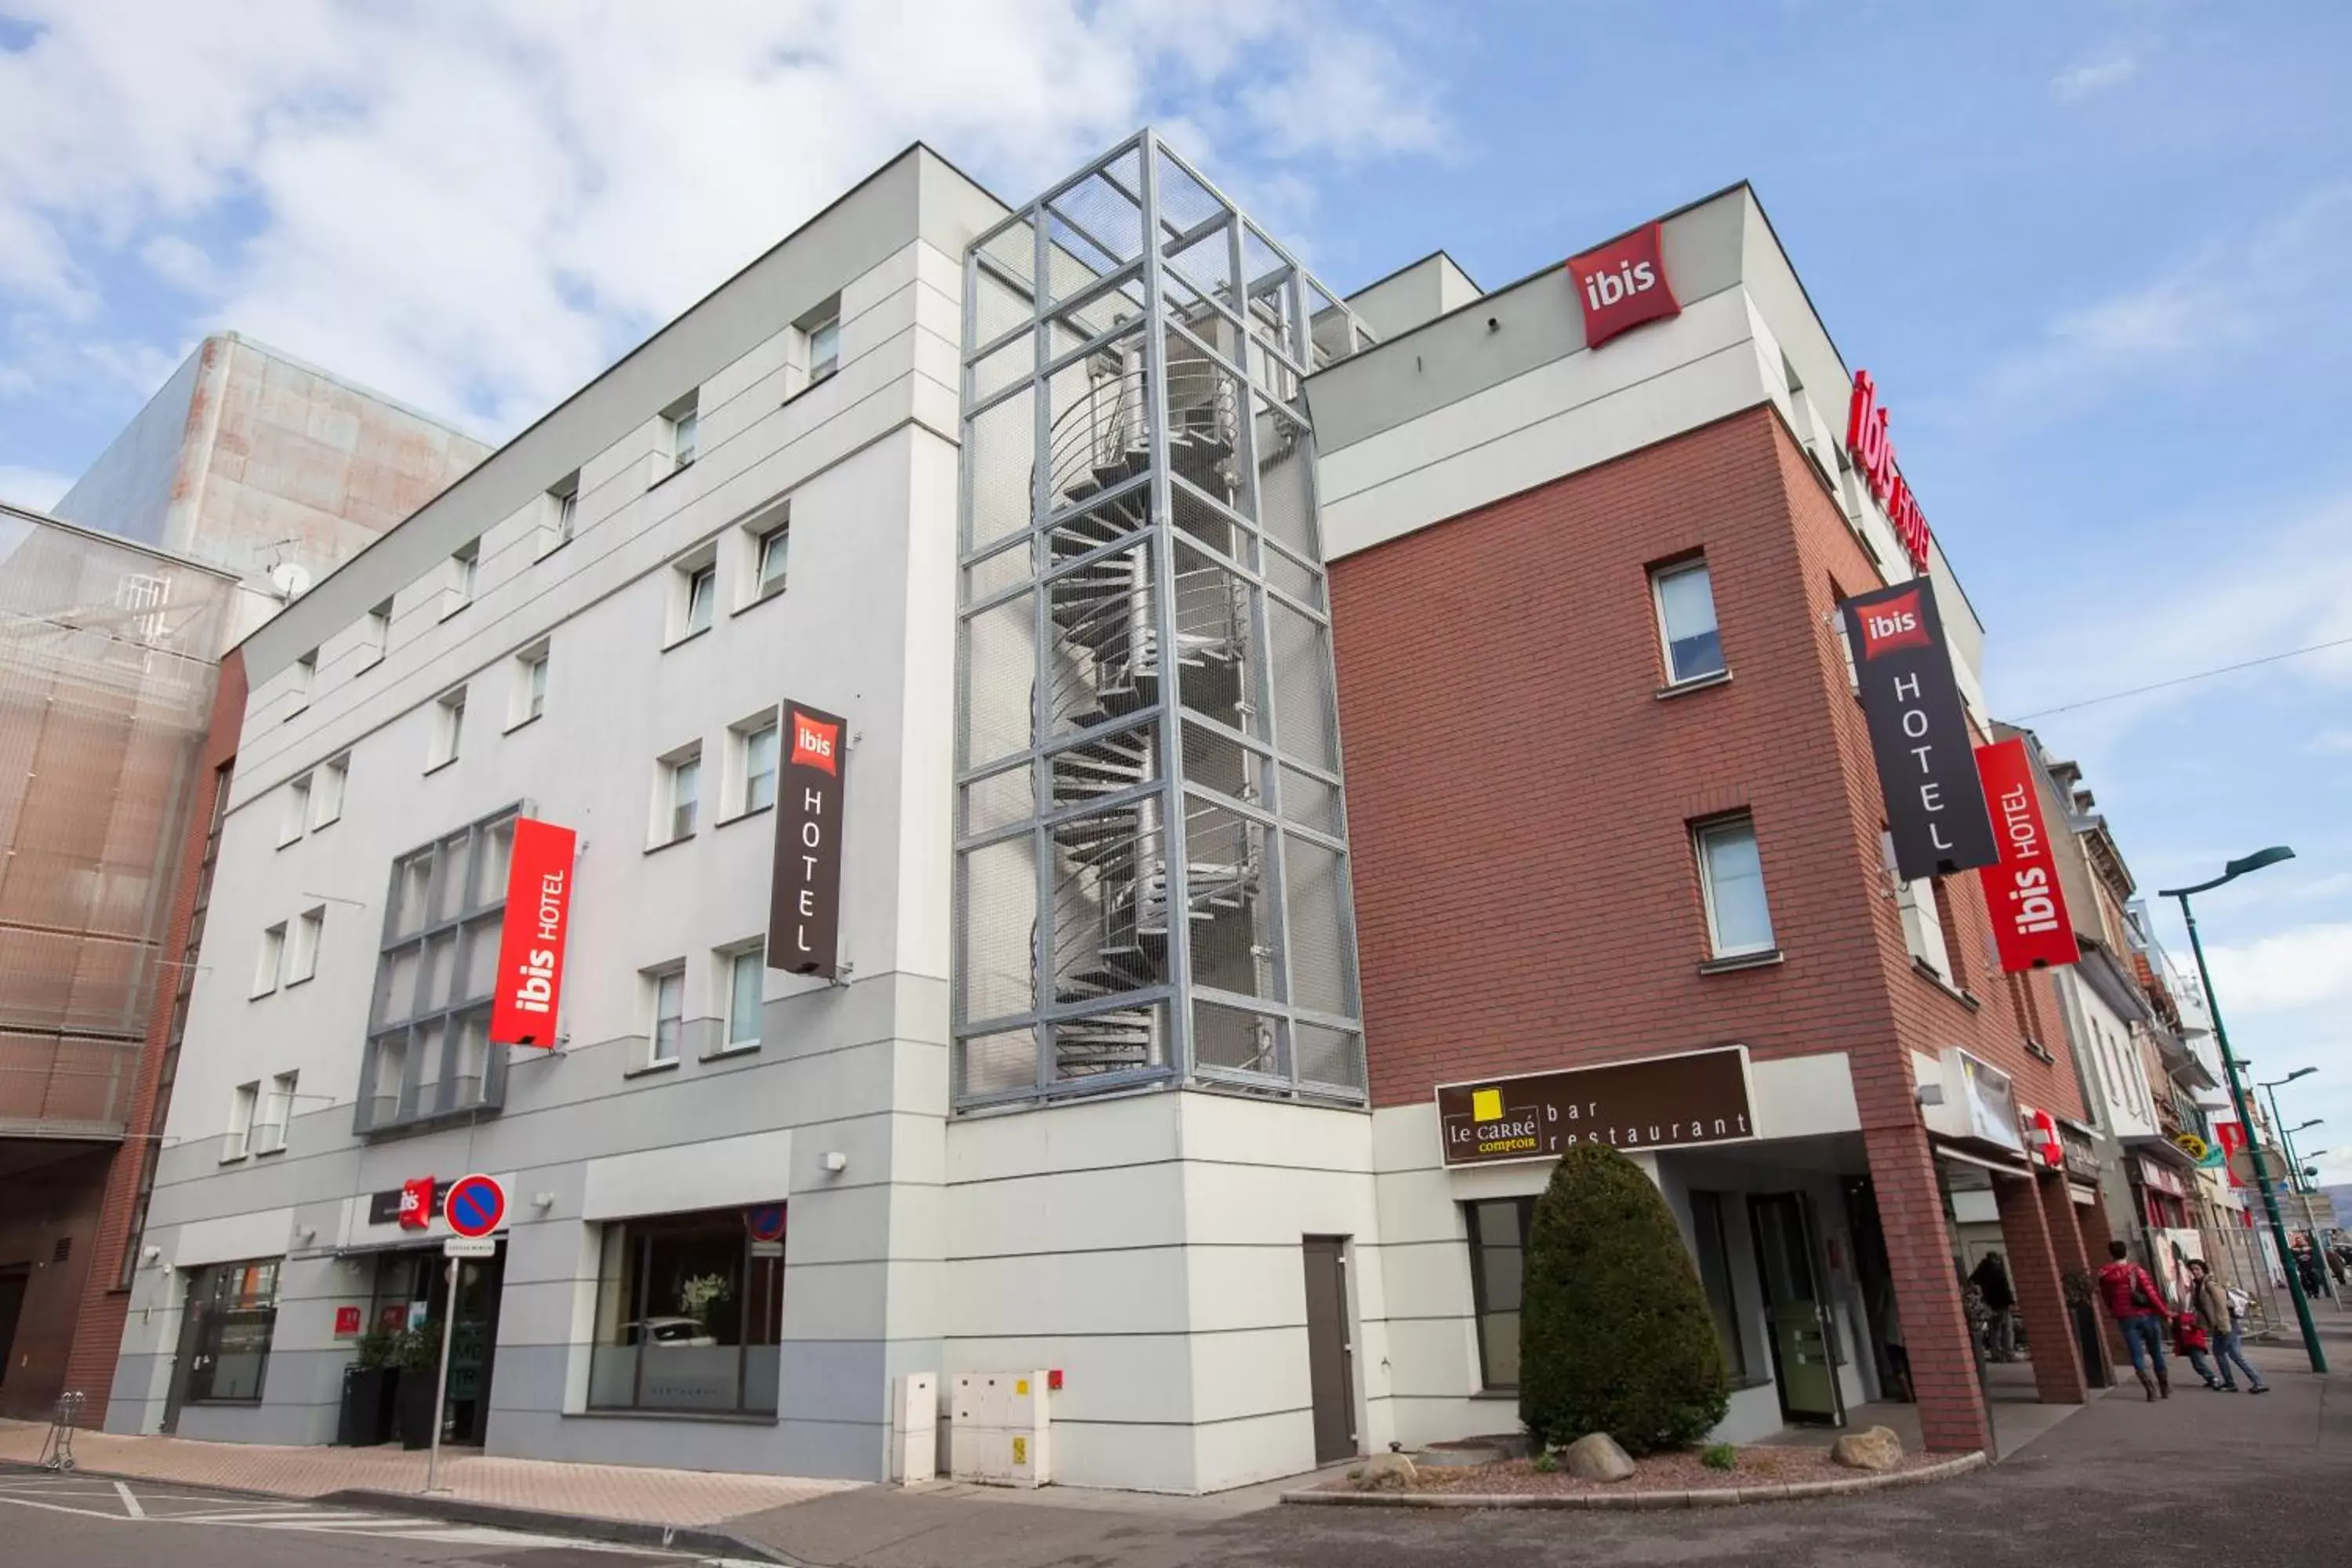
(2224, 1320)
(2132, 1299)
(1991, 1277)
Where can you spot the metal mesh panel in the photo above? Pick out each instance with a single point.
(993, 957)
(986, 578)
(1300, 656)
(1000, 657)
(1284, 483)
(1308, 799)
(1322, 960)
(999, 800)
(1016, 361)
(998, 307)
(1234, 944)
(1214, 640)
(1104, 764)
(1299, 581)
(1119, 1040)
(1000, 454)
(1328, 1058)
(1216, 761)
(1013, 248)
(1237, 1041)
(997, 1064)
(1104, 618)
(1110, 903)
(1194, 514)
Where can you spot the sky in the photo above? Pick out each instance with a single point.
(2097, 256)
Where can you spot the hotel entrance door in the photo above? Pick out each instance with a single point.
(1802, 1361)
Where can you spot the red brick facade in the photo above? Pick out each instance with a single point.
(1520, 798)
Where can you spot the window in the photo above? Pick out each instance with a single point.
(529, 698)
(1922, 915)
(241, 1102)
(449, 729)
(693, 595)
(327, 792)
(1498, 1239)
(689, 1311)
(1685, 598)
(302, 958)
(701, 588)
(758, 744)
(562, 514)
(236, 1312)
(428, 1054)
(277, 1115)
(775, 549)
(295, 820)
(745, 971)
(1715, 1275)
(823, 326)
(666, 991)
(1947, 927)
(463, 568)
(305, 673)
(265, 964)
(678, 783)
(377, 632)
(683, 423)
(1731, 878)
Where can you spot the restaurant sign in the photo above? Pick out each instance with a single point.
(1651, 1103)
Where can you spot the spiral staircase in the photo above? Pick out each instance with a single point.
(1111, 900)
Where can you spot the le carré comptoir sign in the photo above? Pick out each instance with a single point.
(1653, 1102)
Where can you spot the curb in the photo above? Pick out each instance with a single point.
(20, 1466)
(1704, 1497)
(500, 1516)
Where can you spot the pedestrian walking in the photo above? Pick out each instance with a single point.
(1991, 1280)
(2132, 1299)
(2223, 1314)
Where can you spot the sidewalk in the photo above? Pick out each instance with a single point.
(616, 1493)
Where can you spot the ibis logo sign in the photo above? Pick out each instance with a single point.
(1623, 285)
(814, 741)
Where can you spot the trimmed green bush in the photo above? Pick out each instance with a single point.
(1615, 1332)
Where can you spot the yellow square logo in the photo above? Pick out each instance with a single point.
(1485, 1105)
(1019, 1450)
(1020, 1385)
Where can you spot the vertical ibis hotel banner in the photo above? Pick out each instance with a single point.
(804, 898)
(531, 935)
(1918, 733)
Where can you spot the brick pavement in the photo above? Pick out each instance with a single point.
(624, 1493)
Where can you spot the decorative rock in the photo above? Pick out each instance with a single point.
(1878, 1449)
(1596, 1456)
(1383, 1472)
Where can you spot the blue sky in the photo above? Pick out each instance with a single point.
(2099, 258)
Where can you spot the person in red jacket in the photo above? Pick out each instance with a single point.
(2132, 1297)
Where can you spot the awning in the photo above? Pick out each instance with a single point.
(2086, 1196)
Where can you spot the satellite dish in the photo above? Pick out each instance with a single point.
(290, 579)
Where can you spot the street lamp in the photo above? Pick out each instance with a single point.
(2231, 873)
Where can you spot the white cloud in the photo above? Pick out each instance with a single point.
(476, 208)
(2306, 967)
(2330, 743)
(2078, 82)
(35, 487)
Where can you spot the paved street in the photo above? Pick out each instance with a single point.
(88, 1522)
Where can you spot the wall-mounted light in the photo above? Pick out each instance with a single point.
(836, 1161)
(542, 1202)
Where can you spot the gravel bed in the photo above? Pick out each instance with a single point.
(1672, 1472)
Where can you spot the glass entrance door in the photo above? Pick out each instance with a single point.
(473, 1338)
(1802, 1360)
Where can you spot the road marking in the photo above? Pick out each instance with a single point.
(131, 1508)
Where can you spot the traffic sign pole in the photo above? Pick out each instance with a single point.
(441, 1388)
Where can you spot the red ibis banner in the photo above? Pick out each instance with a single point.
(2029, 925)
(530, 940)
(2232, 1135)
(1623, 285)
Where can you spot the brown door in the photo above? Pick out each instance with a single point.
(1331, 1368)
(183, 1358)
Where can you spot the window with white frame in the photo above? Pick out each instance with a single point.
(1731, 878)
(770, 557)
(276, 1115)
(823, 328)
(1685, 600)
(693, 595)
(327, 792)
(753, 786)
(267, 962)
(677, 794)
(529, 697)
(743, 975)
(428, 1052)
(449, 729)
(1923, 918)
(304, 675)
(242, 1102)
(562, 514)
(666, 1005)
(295, 820)
(682, 424)
(464, 565)
(376, 635)
(302, 952)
